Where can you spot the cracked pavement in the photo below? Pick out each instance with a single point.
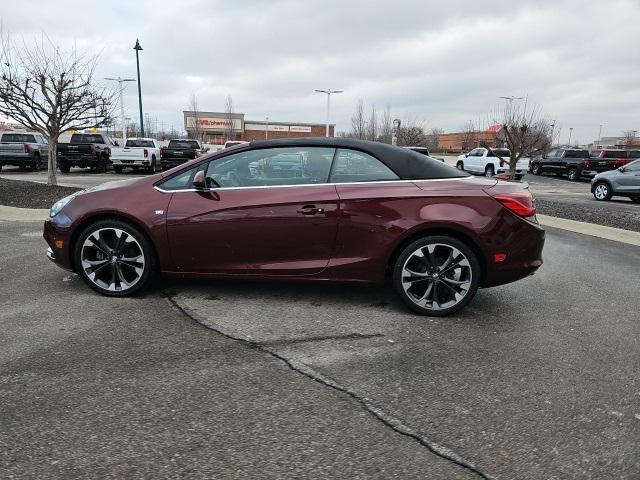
(538, 379)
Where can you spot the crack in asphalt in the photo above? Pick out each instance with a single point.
(388, 420)
(321, 338)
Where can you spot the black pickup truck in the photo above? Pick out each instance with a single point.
(179, 151)
(91, 150)
(574, 163)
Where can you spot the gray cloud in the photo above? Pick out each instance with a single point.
(442, 63)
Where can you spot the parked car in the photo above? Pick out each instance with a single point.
(232, 143)
(490, 162)
(574, 163)
(137, 153)
(424, 151)
(179, 151)
(23, 149)
(92, 150)
(359, 212)
(622, 182)
(619, 157)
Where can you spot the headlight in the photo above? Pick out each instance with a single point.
(60, 204)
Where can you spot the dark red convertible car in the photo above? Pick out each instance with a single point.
(309, 209)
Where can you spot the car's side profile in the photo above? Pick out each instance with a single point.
(623, 182)
(311, 209)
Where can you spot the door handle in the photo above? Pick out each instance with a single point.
(310, 210)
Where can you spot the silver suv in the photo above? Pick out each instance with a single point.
(623, 182)
(23, 149)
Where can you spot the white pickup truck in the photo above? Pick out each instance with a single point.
(137, 153)
(490, 162)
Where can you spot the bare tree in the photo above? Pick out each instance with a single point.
(372, 126)
(385, 126)
(411, 134)
(432, 138)
(51, 92)
(358, 123)
(229, 114)
(629, 137)
(193, 106)
(524, 131)
(469, 136)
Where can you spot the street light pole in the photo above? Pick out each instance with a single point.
(570, 132)
(137, 48)
(328, 92)
(266, 130)
(121, 88)
(600, 135)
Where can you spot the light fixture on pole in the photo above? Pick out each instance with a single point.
(511, 98)
(121, 90)
(553, 126)
(137, 48)
(328, 92)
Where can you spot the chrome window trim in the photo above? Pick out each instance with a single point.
(311, 185)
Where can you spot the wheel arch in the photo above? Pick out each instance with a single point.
(431, 230)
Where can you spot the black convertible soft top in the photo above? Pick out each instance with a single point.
(407, 164)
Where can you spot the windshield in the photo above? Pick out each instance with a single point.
(139, 143)
(184, 144)
(86, 138)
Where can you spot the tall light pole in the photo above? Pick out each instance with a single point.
(137, 48)
(121, 90)
(600, 135)
(328, 92)
(266, 130)
(570, 132)
(553, 126)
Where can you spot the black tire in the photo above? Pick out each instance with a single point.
(635, 199)
(152, 167)
(573, 175)
(536, 169)
(141, 243)
(101, 167)
(1, 167)
(35, 166)
(489, 171)
(519, 177)
(460, 165)
(602, 191)
(441, 244)
(64, 167)
(117, 169)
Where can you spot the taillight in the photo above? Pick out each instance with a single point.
(162, 152)
(26, 148)
(585, 163)
(93, 149)
(108, 150)
(146, 153)
(520, 203)
(501, 162)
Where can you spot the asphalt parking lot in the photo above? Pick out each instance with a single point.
(538, 379)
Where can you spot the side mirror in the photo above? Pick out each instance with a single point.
(206, 149)
(621, 169)
(199, 181)
(466, 154)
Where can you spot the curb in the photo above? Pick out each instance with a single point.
(15, 214)
(608, 233)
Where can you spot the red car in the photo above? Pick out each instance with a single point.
(309, 209)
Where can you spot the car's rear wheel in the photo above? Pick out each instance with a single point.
(602, 191)
(117, 169)
(489, 171)
(573, 174)
(114, 258)
(64, 168)
(460, 166)
(436, 275)
(35, 165)
(152, 166)
(536, 169)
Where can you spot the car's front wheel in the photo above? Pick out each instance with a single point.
(436, 275)
(573, 175)
(536, 169)
(114, 258)
(489, 171)
(460, 165)
(601, 191)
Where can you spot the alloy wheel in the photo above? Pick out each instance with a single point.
(112, 259)
(437, 276)
(601, 192)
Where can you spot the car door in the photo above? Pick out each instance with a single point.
(267, 212)
(629, 179)
(471, 163)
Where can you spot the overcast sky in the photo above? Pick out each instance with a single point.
(437, 63)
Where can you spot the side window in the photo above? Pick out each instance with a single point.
(353, 166)
(271, 167)
(180, 181)
(633, 167)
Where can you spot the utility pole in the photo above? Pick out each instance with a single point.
(570, 132)
(266, 130)
(121, 90)
(328, 92)
(553, 126)
(137, 48)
